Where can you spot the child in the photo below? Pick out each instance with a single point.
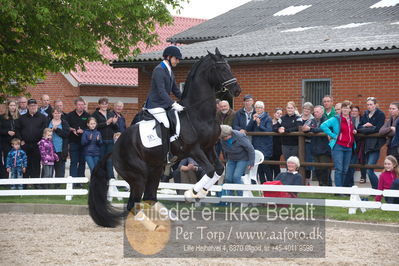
(388, 176)
(47, 153)
(91, 142)
(16, 161)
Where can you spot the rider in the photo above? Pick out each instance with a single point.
(162, 83)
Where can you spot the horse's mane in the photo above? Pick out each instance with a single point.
(191, 75)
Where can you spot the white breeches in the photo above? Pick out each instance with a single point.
(160, 115)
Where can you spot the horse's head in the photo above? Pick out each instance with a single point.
(222, 76)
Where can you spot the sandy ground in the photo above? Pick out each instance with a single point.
(71, 240)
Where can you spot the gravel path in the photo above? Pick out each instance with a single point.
(27, 239)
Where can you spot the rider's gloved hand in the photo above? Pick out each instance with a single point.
(177, 107)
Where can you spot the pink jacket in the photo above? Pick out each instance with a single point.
(385, 182)
(47, 153)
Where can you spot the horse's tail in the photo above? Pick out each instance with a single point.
(100, 209)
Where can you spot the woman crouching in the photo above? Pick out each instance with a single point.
(239, 153)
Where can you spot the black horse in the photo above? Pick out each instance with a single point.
(142, 167)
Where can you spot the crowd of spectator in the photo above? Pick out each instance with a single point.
(341, 123)
(36, 141)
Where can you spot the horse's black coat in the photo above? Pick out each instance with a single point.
(141, 167)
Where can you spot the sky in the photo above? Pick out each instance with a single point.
(207, 9)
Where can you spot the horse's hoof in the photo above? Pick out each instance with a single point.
(190, 196)
(202, 193)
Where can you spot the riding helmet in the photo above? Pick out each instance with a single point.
(172, 51)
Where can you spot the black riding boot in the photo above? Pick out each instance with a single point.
(165, 141)
(166, 145)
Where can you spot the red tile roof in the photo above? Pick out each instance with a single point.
(98, 73)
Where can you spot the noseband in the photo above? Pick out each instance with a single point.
(224, 85)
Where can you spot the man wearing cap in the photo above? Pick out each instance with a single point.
(29, 128)
(245, 114)
(163, 82)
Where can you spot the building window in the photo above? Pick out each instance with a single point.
(313, 90)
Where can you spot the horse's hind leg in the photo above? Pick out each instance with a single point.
(151, 186)
(136, 193)
(137, 208)
(150, 194)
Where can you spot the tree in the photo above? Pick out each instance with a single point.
(40, 36)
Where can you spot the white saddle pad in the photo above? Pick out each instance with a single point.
(148, 135)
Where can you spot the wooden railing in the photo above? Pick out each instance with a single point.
(301, 149)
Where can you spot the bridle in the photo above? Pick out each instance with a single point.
(227, 83)
(224, 86)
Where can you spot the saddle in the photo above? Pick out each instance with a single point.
(170, 113)
(151, 130)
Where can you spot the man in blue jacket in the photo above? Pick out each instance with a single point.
(163, 82)
(245, 114)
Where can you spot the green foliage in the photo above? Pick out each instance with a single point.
(40, 36)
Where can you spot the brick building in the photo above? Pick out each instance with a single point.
(101, 80)
(281, 51)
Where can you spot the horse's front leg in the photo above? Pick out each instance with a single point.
(219, 168)
(200, 188)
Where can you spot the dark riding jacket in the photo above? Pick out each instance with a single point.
(162, 83)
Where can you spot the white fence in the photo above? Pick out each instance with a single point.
(69, 191)
(353, 203)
